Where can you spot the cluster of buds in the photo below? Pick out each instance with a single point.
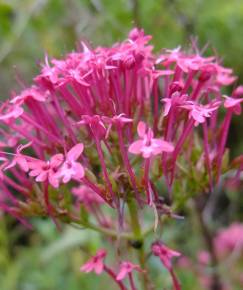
(116, 127)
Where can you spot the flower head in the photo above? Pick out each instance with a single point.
(95, 264)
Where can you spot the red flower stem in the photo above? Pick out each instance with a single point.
(25, 134)
(48, 205)
(113, 276)
(126, 161)
(15, 186)
(177, 75)
(131, 280)
(65, 121)
(128, 90)
(185, 133)
(175, 280)
(8, 193)
(15, 214)
(206, 152)
(156, 106)
(31, 121)
(102, 161)
(146, 181)
(222, 142)
(196, 91)
(71, 101)
(42, 116)
(166, 85)
(188, 82)
(78, 88)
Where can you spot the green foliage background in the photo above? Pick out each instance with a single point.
(45, 259)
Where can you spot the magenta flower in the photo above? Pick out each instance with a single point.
(46, 170)
(12, 111)
(20, 159)
(147, 145)
(127, 268)
(234, 104)
(166, 254)
(175, 100)
(95, 264)
(95, 124)
(70, 167)
(225, 78)
(118, 121)
(200, 112)
(33, 93)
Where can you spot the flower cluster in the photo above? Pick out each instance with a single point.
(109, 126)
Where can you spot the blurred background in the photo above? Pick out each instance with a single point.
(45, 259)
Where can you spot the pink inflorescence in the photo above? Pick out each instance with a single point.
(113, 122)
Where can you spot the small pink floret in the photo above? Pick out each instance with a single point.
(95, 264)
(148, 146)
(126, 268)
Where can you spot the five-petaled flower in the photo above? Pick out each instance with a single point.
(148, 146)
(200, 112)
(46, 170)
(71, 169)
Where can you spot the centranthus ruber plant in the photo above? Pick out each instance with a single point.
(119, 140)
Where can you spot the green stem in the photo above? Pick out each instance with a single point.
(138, 237)
(107, 232)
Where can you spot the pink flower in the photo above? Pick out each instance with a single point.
(238, 92)
(95, 124)
(46, 170)
(95, 264)
(48, 76)
(234, 104)
(175, 100)
(117, 120)
(13, 111)
(20, 159)
(164, 253)
(127, 268)
(225, 78)
(70, 168)
(30, 93)
(200, 112)
(147, 145)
